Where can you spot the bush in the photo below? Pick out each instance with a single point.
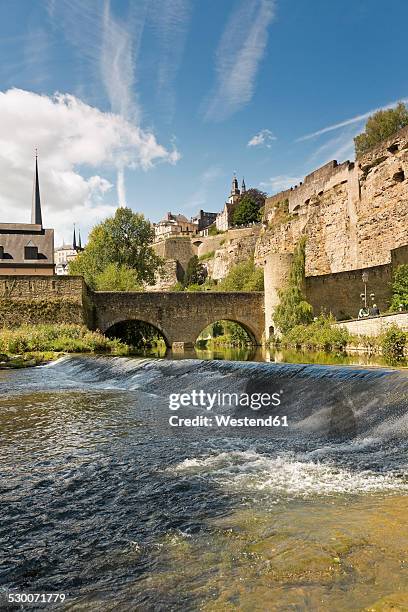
(69, 338)
(321, 334)
(243, 277)
(381, 126)
(393, 343)
(400, 288)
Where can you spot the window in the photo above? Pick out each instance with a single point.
(30, 252)
(1, 252)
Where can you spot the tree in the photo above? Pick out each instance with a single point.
(242, 277)
(195, 273)
(123, 240)
(293, 309)
(400, 288)
(249, 207)
(117, 277)
(380, 126)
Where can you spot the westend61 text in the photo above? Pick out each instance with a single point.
(228, 421)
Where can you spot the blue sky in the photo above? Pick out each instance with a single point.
(162, 100)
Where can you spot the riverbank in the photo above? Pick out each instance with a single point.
(29, 345)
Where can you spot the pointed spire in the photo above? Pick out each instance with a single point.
(36, 216)
(243, 186)
(79, 240)
(234, 186)
(74, 242)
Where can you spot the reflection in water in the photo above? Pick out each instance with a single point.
(277, 355)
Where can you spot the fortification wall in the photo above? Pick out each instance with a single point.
(353, 214)
(179, 248)
(44, 299)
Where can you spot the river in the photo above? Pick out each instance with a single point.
(105, 502)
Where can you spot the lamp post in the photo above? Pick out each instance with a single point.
(364, 278)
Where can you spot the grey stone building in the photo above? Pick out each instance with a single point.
(27, 248)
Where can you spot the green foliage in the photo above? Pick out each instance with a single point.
(177, 287)
(195, 273)
(206, 256)
(293, 309)
(224, 333)
(136, 334)
(381, 126)
(393, 342)
(124, 240)
(194, 287)
(249, 207)
(400, 288)
(321, 334)
(242, 277)
(217, 329)
(213, 230)
(116, 277)
(68, 338)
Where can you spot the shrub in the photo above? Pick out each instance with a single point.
(393, 343)
(69, 338)
(400, 288)
(380, 126)
(321, 334)
(243, 277)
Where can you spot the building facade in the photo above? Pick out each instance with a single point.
(66, 253)
(27, 248)
(223, 220)
(174, 225)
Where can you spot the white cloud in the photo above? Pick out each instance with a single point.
(263, 138)
(77, 143)
(280, 182)
(108, 47)
(239, 53)
(351, 121)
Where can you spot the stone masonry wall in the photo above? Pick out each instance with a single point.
(353, 214)
(44, 299)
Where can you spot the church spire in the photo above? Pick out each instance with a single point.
(243, 186)
(36, 216)
(74, 242)
(79, 240)
(234, 186)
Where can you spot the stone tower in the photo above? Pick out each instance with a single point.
(276, 273)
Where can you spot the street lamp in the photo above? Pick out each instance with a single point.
(364, 278)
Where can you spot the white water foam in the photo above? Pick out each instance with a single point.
(286, 475)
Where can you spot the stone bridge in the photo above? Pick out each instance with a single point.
(180, 316)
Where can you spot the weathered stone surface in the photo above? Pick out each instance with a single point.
(180, 316)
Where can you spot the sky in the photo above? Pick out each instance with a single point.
(154, 104)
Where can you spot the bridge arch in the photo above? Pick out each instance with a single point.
(109, 331)
(181, 316)
(251, 333)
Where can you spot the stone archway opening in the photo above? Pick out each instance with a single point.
(139, 335)
(226, 332)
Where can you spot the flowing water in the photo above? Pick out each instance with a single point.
(104, 501)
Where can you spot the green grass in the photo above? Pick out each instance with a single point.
(61, 338)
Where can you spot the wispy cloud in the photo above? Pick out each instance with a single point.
(264, 138)
(170, 20)
(108, 47)
(351, 121)
(239, 53)
(280, 182)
